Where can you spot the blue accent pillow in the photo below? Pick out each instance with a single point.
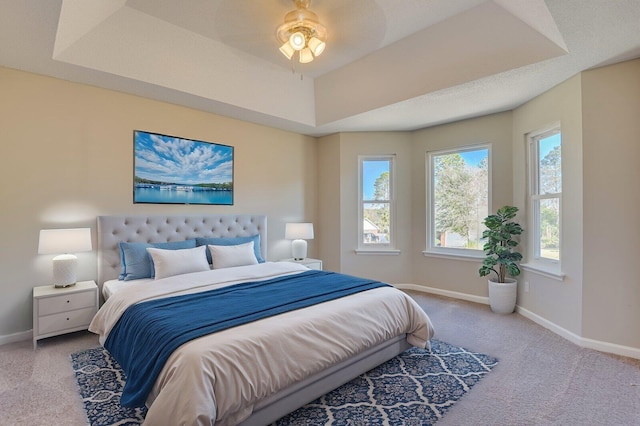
(231, 241)
(136, 261)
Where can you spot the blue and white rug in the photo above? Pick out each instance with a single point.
(101, 380)
(415, 388)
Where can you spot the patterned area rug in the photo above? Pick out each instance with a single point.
(100, 380)
(415, 388)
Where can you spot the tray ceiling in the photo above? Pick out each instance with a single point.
(388, 65)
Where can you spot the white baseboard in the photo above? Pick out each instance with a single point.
(584, 342)
(16, 337)
(563, 332)
(447, 293)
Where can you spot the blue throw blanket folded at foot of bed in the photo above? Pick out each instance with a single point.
(148, 332)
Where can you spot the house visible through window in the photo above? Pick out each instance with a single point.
(376, 202)
(545, 183)
(458, 198)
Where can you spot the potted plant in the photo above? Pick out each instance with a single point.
(502, 259)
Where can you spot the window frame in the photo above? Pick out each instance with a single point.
(534, 259)
(377, 248)
(431, 248)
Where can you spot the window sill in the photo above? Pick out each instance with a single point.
(543, 270)
(456, 256)
(382, 252)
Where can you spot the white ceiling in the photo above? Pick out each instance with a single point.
(388, 65)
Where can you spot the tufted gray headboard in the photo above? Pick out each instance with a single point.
(153, 229)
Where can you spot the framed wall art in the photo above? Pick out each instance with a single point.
(174, 170)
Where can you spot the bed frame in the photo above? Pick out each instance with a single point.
(138, 228)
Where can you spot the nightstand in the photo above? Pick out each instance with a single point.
(308, 262)
(63, 310)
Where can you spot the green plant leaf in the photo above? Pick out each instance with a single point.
(499, 248)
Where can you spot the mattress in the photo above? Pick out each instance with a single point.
(112, 286)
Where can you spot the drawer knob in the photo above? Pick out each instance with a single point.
(67, 319)
(68, 301)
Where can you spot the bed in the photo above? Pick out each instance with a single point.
(255, 372)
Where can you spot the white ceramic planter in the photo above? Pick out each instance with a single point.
(502, 296)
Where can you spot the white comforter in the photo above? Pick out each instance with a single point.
(218, 378)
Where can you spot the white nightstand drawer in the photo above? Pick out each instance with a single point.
(66, 320)
(66, 302)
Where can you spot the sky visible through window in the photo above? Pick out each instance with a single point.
(371, 170)
(548, 144)
(473, 158)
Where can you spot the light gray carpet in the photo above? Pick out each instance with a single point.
(541, 379)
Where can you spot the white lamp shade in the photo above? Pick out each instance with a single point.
(306, 56)
(287, 50)
(316, 45)
(59, 241)
(295, 231)
(64, 242)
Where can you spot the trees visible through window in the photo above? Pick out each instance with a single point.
(545, 193)
(376, 201)
(458, 194)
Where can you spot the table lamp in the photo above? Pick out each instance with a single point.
(299, 233)
(64, 242)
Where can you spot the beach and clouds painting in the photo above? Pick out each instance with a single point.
(169, 169)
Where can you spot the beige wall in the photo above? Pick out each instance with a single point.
(388, 268)
(329, 206)
(456, 274)
(338, 203)
(67, 156)
(556, 301)
(611, 146)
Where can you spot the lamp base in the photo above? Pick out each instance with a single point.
(64, 285)
(299, 249)
(64, 270)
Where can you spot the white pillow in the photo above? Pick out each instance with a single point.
(175, 262)
(229, 256)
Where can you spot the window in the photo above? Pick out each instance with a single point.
(376, 210)
(458, 197)
(545, 189)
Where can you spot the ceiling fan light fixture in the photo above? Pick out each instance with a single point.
(297, 40)
(287, 50)
(306, 56)
(316, 45)
(302, 32)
